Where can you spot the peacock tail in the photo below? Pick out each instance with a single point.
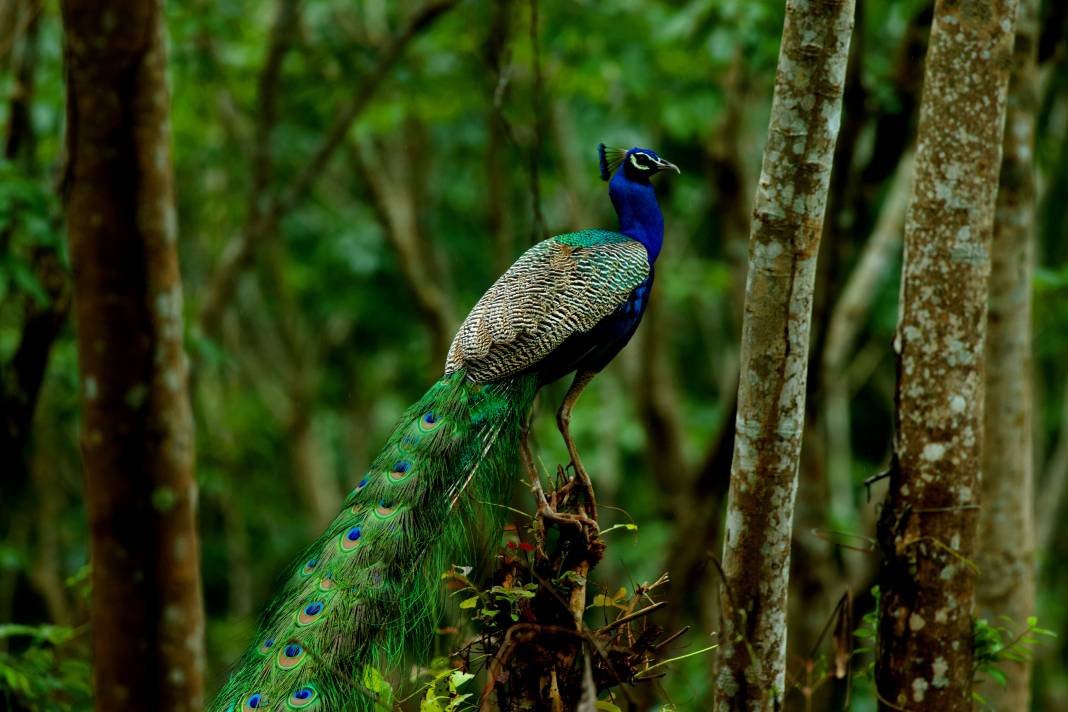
(368, 592)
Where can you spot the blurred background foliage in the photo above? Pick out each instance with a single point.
(476, 141)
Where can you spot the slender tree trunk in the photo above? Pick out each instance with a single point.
(1006, 555)
(137, 436)
(927, 529)
(850, 315)
(395, 200)
(498, 206)
(1053, 484)
(783, 244)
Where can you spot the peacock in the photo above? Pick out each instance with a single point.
(367, 593)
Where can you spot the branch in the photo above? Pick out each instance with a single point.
(21, 378)
(23, 22)
(497, 52)
(280, 42)
(239, 252)
(1054, 484)
(623, 620)
(24, 374)
(261, 165)
(873, 267)
(423, 19)
(563, 659)
(397, 209)
(658, 405)
(537, 92)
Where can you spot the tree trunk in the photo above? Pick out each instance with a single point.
(1006, 584)
(928, 524)
(849, 316)
(784, 240)
(137, 436)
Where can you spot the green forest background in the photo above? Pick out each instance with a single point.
(477, 140)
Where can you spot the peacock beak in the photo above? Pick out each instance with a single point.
(662, 165)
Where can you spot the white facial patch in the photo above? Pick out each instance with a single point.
(634, 162)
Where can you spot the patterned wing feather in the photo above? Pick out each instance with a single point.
(558, 287)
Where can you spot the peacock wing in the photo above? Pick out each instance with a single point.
(558, 287)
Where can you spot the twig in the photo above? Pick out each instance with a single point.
(875, 478)
(632, 616)
(672, 638)
(642, 676)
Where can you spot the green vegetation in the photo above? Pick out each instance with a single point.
(338, 318)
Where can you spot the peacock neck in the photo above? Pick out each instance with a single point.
(639, 213)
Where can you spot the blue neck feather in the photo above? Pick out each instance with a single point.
(639, 213)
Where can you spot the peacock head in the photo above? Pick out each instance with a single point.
(638, 164)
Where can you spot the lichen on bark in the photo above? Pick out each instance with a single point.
(927, 528)
(784, 240)
(1006, 585)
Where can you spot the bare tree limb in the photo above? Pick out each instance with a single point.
(538, 230)
(22, 377)
(240, 251)
(848, 317)
(398, 212)
(1054, 484)
(499, 217)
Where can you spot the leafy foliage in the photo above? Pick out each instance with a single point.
(997, 644)
(42, 675)
(324, 344)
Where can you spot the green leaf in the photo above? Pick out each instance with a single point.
(383, 691)
(627, 527)
(430, 703)
(456, 702)
(601, 601)
(457, 678)
(469, 602)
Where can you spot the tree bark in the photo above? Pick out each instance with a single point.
(137, 436)
(927, 529)
(783, 244)
(1006, 555)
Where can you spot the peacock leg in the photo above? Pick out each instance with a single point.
(545, 510)
(563, 421)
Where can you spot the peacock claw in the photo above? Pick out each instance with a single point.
(546, 511)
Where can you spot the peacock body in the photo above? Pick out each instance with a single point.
(367, 593)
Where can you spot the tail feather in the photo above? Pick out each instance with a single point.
(368, 592)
